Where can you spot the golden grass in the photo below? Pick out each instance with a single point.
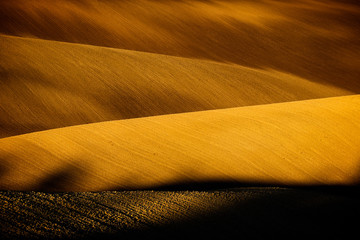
(303, 143)
(47, 84)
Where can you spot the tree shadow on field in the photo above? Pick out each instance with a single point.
(3, 167)
(60, 180)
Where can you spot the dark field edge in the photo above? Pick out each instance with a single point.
(220, 185)
(248, 211)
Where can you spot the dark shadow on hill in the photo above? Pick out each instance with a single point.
(60, 180)
(3, 167)
(225, 184)
(255, 212)
(277, 213)
(250, 210)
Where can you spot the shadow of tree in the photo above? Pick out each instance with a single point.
(3, 167)
(60, 180)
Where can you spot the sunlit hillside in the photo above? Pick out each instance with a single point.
(317, 40)
(47, 84)
(179, 118)
(219, 145)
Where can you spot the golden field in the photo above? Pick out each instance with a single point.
(154, 118)
(218, 145)
(69, 84)
(316, 40)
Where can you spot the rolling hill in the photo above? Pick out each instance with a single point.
(48, 84)
(217, 145)
(179, 119)
(316, 40)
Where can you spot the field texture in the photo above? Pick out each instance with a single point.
(191, 118)
(247, 212)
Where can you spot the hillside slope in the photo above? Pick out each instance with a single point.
(47, 84)
(285, 143)
(317, 40)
